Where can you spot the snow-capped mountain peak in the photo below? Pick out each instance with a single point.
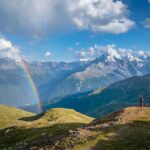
(112, 54)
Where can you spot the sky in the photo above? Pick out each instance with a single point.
(60, 30)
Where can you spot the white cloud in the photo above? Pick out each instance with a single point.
(81, 54)
(146, 23)
(148, 1)
(7, 49)
(38, 17)
(47, 54)
(101, 16)
(91, 53)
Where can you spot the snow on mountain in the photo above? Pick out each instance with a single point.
(111, 64)
(112, 53)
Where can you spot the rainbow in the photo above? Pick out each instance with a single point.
(31, 82)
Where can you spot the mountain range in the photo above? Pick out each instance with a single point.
(58, 79)
(101, 102)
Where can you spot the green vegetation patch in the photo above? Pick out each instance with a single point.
(10, 136)
(131, 136)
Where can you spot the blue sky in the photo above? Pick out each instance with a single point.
(45, 31)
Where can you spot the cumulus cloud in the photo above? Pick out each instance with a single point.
(38, 17)
(101, 16)
(48, 54)
(146, 23)
(7, 49)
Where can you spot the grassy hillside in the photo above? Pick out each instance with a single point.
(27, 127)
(10, 116)
(127, 129)
(66, 129)
(61, 115)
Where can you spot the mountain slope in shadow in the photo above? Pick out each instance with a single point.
(116, 96)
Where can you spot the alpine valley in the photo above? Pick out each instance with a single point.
(54, 80)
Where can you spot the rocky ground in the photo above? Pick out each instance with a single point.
(121, 130)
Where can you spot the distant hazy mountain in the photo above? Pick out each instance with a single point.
(57, 79)
(118, 95)
(15, 88)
